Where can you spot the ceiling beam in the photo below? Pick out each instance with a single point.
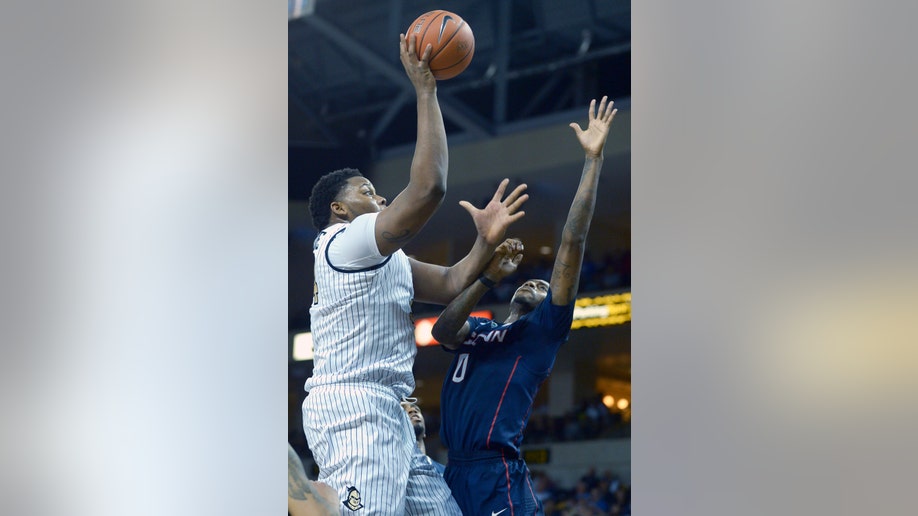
(452, 109)
(295, 93)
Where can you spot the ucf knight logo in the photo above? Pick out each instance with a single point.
(352, 500)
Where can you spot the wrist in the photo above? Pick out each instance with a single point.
(486, 281)
(424, 94)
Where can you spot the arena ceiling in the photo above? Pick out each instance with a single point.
(537, 64)
(349, 96)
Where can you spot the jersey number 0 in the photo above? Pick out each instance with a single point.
(461, 365)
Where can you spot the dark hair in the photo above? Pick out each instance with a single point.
(325, 191)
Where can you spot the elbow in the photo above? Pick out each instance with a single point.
(437, 192)
(573, 238)
(433, 191)
(444, 338)
(439, 335)
(437, 188)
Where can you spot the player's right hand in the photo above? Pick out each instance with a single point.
(506, 259)
(417, 68)
(492, 221)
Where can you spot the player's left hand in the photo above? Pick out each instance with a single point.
(493, 220)
(593, 139)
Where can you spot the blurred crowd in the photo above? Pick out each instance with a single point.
(593, 495)
(611, 271)
(591, 419)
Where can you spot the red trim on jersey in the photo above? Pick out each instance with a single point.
(496, 412)
(507, 475)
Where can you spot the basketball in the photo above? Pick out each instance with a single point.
(451, 39)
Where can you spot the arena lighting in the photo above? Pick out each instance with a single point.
(422, 327)
(302, 346)
(608, 400)
(590, 312)
(300, 8)
(623, 403)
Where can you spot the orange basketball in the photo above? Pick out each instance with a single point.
(451, 38)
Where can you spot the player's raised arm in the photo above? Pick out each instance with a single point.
(411, 209)
(565, 276)
(452, 327)
(438, 284)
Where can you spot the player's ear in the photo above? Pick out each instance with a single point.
(339, 209)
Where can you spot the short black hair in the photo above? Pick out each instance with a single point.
(325, 191)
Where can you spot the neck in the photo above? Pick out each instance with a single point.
(422, 447)
(516, 311)
(336, 220)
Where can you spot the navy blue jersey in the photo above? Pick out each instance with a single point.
(488, 392)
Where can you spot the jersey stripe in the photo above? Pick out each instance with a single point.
(496, 412)
(507, 476)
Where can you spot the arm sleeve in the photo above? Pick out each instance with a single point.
(477, 326)
(355, 247)
(556, 320)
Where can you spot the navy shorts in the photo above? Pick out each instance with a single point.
(491, 483)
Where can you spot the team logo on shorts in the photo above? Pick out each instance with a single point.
(352, 501)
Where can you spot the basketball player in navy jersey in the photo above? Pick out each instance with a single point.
(361, 321)
(488, 392)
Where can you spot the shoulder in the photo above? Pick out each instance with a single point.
(352, 246)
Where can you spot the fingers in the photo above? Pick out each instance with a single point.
(425, 58)
(515, 194)
(500, 190)
(601, 112)
(605, 113)
(517, 259)
(515, 205)
(408, 42)
(516, 216)
(468, 207)
(576, 127)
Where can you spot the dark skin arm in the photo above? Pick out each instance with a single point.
(412, 208)
(305, 497)
(438, 284)
(452, 327)
(565, 276)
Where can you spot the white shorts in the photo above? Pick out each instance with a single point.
(364, 444)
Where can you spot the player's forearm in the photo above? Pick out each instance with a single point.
(431, 158)
(581, 213)
(451, 321)
(466, 270)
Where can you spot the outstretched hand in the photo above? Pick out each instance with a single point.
(493, 220)
(417, 68)
(593, 139)
(505, 260)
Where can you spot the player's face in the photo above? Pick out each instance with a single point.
(531, 293)
(417, 419)
(359, 197)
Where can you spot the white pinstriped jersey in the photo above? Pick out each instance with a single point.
(361, 318)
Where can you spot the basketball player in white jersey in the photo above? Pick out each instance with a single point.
(362, 329)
